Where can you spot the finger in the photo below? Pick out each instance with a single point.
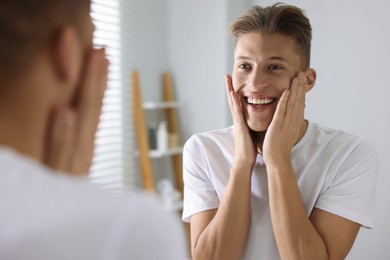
(294, 89)
(301, 96)
(296, 112)
(229, 88)
(61, 143)
(92, 91)
(89, 104)
(93, 85)
(292, 101)
(280, 112)
(235, 102)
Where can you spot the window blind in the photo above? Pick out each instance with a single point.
(113, 161)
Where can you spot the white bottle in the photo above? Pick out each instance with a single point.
(162, 136)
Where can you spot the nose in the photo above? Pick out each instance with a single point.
(257, 79)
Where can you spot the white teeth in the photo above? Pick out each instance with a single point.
(258, 101)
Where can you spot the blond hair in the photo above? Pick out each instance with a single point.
(279, 18)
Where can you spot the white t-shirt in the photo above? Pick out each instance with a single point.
(45, 215)
(335, 171)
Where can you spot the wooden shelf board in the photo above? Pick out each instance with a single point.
(169, 152)
(160, 105)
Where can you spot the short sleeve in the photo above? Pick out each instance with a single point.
(351, 193)
(199, 193)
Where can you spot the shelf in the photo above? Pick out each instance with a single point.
(169, 106)
(169, 152)
(160, 105)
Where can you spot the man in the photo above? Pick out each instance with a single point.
(275, 185)
(51, 87)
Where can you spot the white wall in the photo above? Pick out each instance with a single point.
(148, 23)
(351, 53)
(197, 52)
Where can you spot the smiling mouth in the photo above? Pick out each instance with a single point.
(260, 101)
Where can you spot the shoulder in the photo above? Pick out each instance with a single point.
(343, 146)
(338, 139)
(49, 196)
(219, 137)
(74, 211)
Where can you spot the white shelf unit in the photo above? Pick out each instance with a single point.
(169, 106)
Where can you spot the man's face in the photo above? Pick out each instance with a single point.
(264, 66)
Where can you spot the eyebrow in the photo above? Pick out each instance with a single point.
(278, 58)
(243, 58)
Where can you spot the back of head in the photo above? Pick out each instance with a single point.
(279, 18)
(28, 26)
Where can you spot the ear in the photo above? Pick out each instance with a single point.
(67, 59)
(311, 76)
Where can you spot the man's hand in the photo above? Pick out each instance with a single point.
(285, 128)
(244, 148)
(72, 131)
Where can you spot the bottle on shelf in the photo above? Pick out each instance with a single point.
(152, 135)
(162, 136)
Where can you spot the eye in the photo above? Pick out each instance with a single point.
(244, 66)
(275, 67)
